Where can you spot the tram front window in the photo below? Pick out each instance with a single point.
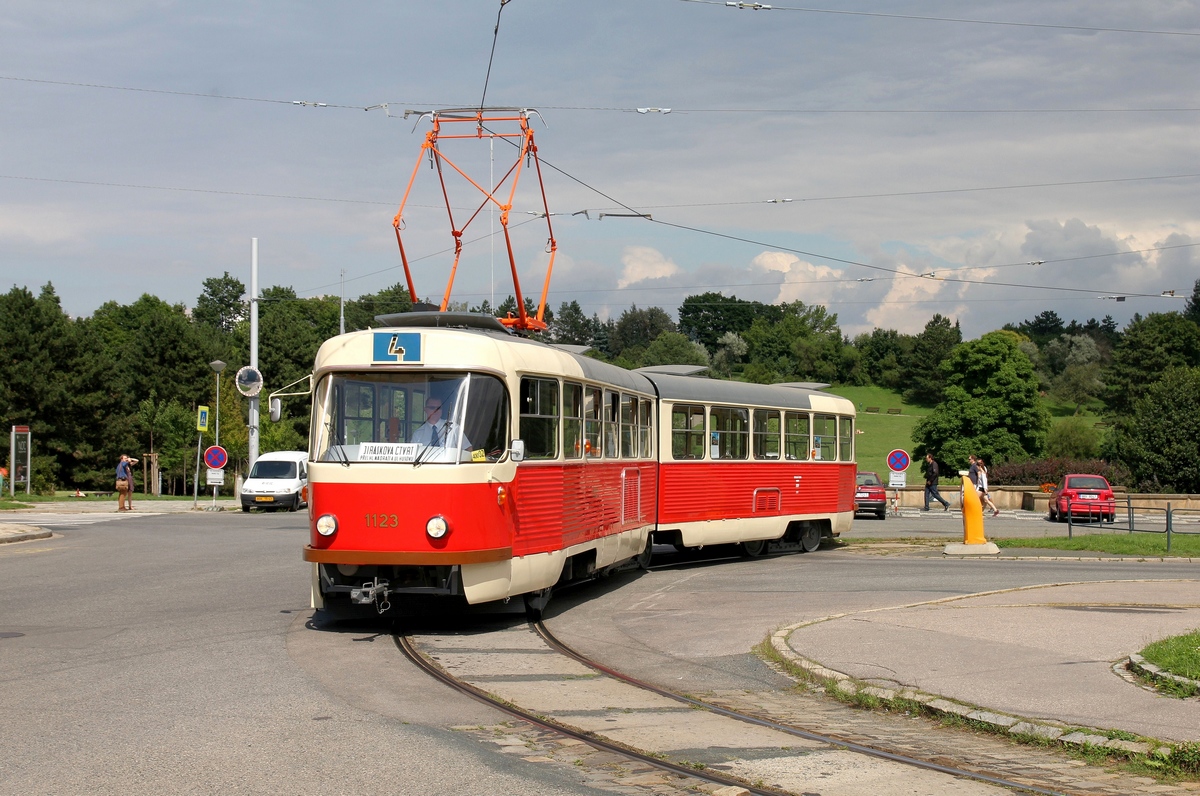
(410, 417)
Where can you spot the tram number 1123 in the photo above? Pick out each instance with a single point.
(383, 520)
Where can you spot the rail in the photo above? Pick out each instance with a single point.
(1093, 514)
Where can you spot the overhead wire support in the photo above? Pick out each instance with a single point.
(483, 120)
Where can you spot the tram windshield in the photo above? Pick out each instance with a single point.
(410, 418)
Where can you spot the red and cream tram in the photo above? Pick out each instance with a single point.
(451, 457)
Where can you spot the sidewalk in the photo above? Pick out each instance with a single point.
(19, 525)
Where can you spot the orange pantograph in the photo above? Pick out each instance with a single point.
(488, 123)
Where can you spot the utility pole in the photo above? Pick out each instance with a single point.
(253, 419)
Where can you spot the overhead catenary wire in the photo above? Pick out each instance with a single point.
(752, 6)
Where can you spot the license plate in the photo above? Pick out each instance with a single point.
(1089, 497)
(266, 499)
(861, 495)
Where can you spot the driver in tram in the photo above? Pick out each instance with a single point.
(436, 429)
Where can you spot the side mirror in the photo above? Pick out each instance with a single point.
(276, 410)
(517, 451)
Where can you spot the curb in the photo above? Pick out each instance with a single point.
(36, 533)
(843, 685)
(1138, 665)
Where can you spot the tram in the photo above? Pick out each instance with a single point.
(452, 458)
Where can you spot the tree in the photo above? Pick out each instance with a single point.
(1191, 310)
(708, 316)
(991, 405)
(1042, 329)
(221, 305)
(361, 312)
(1079, 384)
(1073, 438)
(673, 348)
(571, 326)
(1149, 347)
(639, 328)
(1160, 441)
(885, 354)
(923, 373)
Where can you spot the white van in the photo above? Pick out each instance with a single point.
(277, 480)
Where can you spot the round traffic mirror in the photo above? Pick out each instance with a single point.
(249, 381)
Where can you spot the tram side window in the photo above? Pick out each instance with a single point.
(846, 439)
(825, 438)
(628, 426)
(592, 410)
(687, 432)
(795, 437)
(646, 428)
(572, 420)
(360, 413)
(612, 408)
(767, 430)
(730, 433)
(539, 418)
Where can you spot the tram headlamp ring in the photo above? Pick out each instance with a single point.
(327, 525)
(436, 527)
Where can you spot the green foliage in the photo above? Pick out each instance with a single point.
(571, 326)
(885, 354)
(1191, 310)
(1186, 757)
(673, 348)
(1036, 472)
(1149, 346)
(991, 406)
(638, 329)
(1073, 438)
(923, 373)
(1042, 329)
(1160, 440)
(221, 305)
(707, 317)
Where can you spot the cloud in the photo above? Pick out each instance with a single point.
(802, 280)
(642, 263)
(897, 309)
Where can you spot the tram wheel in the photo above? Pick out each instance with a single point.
(810, 538)
(753, 549)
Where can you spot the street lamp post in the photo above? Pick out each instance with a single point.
(217, 366)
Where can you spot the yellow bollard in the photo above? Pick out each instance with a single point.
(972, 511)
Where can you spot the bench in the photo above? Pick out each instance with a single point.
(893, 411)
(872, 409)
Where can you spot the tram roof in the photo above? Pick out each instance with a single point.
(705, 390)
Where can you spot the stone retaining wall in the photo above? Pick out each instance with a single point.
(1032, 498)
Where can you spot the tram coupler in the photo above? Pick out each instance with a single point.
(375, 592)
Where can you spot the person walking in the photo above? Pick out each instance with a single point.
(124, 483)
(982, 486)
(931, 484)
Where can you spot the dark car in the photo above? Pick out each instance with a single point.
(870, 495)
(1084, 497)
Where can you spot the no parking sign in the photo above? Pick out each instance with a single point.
(898, 461)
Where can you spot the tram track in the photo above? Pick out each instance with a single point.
(439, 657)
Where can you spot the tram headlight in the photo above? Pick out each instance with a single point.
(327, 525)
(436, 527)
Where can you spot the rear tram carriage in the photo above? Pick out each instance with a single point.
(450, 457)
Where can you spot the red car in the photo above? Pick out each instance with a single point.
(1089, 497)
(870, 495)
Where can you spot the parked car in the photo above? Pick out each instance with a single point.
(1086, 497)
(870, 495)
(278, 480)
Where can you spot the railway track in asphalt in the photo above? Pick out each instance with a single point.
(527, 673)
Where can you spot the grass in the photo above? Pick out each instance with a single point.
(1178, 655)
(1150, 545)
(882, 433)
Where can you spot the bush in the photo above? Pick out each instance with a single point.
(1073, 438)
(1043, 471)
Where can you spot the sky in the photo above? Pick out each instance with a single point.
(987, 161)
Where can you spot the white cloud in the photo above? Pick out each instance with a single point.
(802, 280)
(642, 263)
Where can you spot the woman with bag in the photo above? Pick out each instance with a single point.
(125, 483)
(984, 497)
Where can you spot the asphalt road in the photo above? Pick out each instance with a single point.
(174, 654)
